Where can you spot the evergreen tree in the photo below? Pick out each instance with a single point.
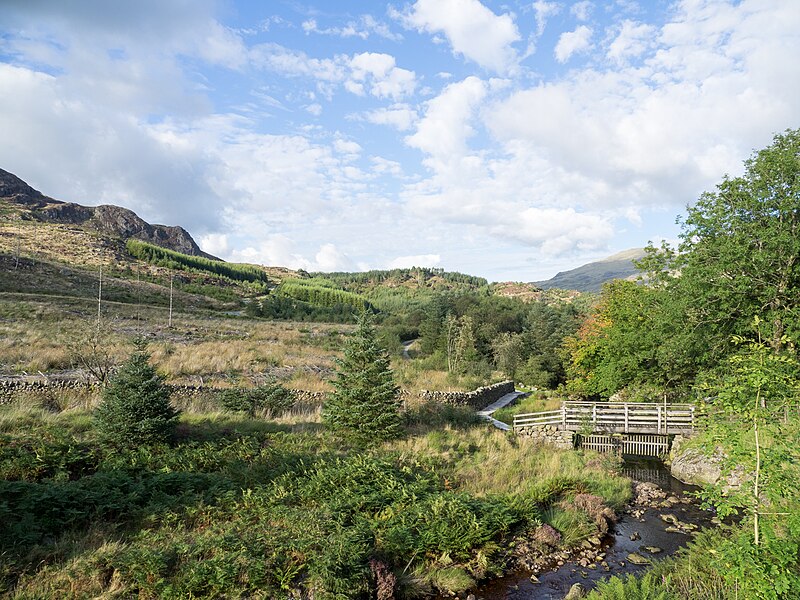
(136, 407)
(364, 406)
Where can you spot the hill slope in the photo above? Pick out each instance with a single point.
(591, 277)
(106, 219)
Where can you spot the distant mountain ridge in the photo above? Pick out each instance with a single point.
(591, 277)
(106, 218)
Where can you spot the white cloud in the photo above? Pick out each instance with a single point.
(347, 147)
(281, 250)
(472, 30)
(385, 78)
(543, 11)
(722, 89)
(571, 42)
(115, 103)
(383, 166)
(417, 260)
(445, 128)
(214, 243)
(582, 10)
(107, 156)
(399, 116)
(632, 41)
(363, 28)
(371, 72)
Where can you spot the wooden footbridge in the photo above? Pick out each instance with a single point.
(634, 428)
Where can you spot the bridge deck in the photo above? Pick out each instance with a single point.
(614, 417)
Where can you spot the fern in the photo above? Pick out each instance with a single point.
(648, 587)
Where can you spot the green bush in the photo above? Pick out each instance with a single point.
(136, 407)
(270, 397)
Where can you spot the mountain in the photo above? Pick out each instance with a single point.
(106, 219)
(591, 277)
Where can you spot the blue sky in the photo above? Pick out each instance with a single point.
(504, 139)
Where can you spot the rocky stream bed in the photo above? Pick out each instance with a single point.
(660, 519)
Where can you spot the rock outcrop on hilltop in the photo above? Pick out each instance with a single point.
(107, 219)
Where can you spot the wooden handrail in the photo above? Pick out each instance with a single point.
(614, 416)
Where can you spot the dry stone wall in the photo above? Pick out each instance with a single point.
(549, 434)
(184, 394)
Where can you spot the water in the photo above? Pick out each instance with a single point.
(648, 527)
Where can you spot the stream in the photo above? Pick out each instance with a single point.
(640, 530)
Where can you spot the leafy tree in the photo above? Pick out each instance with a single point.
(755, 392)
(754, 420)
(546, 327)
(508, 351)
(739, 256)
(136, 407)
(364, 404)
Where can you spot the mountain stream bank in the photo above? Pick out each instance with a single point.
(661, 518)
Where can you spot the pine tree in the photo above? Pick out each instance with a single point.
(364, 406)
(136, 407)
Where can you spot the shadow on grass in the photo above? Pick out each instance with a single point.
(219, 425)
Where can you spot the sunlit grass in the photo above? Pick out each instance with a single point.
(488, 461)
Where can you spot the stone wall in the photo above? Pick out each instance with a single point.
(477, 399)
(9, 388)
(184, 394)
(549, 434)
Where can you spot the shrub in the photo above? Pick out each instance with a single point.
(135, 408)
(270, 397)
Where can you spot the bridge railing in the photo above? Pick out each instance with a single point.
(615, 417)
(548, 417)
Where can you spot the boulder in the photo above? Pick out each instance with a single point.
(576, 592)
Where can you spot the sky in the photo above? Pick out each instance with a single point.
(505, 139)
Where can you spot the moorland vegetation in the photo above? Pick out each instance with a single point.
(252, 495)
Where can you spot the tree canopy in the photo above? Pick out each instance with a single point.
(738, 259)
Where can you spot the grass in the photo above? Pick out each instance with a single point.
(43, 336)
(486, 461)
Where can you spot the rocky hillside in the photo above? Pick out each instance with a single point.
(106, 219)
(591, 277)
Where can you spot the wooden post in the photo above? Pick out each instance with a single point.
(626, 417)
(169, 324)
(99, 298)
(659, 418)
(563, 416)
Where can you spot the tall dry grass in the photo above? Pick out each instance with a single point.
(489, 461)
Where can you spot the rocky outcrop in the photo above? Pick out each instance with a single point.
(14, 189)
(692, 465)
(106, 218)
